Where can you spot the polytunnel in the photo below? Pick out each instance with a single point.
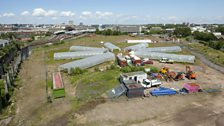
(136, 47)
(175, 57)
(163, 49)
(111, 46)
(86, 48)
(75, 55)
(88, 62)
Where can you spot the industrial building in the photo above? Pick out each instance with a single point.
(3, 42)
(129, 28)
(140, 41)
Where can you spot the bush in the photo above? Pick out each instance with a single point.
(154, 69)
(112, 67)
(77, 71)
(128, 69)
(96, 69)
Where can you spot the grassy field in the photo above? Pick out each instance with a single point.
(213, 55)
(92, 85)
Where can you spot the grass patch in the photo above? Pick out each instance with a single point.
(95, 84)
(213, 55)
(58, 93)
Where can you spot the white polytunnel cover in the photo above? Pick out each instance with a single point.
(163, 49)
(75, 55)
(111, 46)
(86, 48)
(136, 47)
(175, 57)
(88, 62)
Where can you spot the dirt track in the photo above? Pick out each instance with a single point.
(200, 109)
(180, 110)
(32, 107)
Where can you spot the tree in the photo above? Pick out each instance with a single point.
(220, 29)
(182, 32)
(204, 36)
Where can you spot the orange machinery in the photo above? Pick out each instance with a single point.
(189, 73)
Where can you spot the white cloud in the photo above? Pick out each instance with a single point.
(86, 13)
(25, 13)
(8, 15)
(52, 13)
(54, 18)
(67, 14)
(39, 12)
(103, 14)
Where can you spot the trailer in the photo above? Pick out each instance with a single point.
(58, 86)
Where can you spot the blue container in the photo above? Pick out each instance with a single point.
(163, 91)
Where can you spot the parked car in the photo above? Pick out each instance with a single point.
(148, 62)
(166, 60)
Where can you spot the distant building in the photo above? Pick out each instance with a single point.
(81, 24)
(130, 28)
(140, 41)
(71, 23)
(217, 33)
(156, 28)
(198, 28)
(3, 42)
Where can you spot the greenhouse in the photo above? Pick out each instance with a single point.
(175, 57)
(163, 49)
(136, 47)
(75, 55)
(86, 48)
(88, 62)
(111, 47)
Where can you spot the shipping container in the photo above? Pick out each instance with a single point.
(134, 90)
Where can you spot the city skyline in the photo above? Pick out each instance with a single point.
(111, 12)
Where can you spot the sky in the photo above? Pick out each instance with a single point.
(111, 11)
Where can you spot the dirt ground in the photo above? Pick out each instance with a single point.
(179, 110)
(32, 107)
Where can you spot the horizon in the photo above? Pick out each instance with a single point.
(125, 12)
